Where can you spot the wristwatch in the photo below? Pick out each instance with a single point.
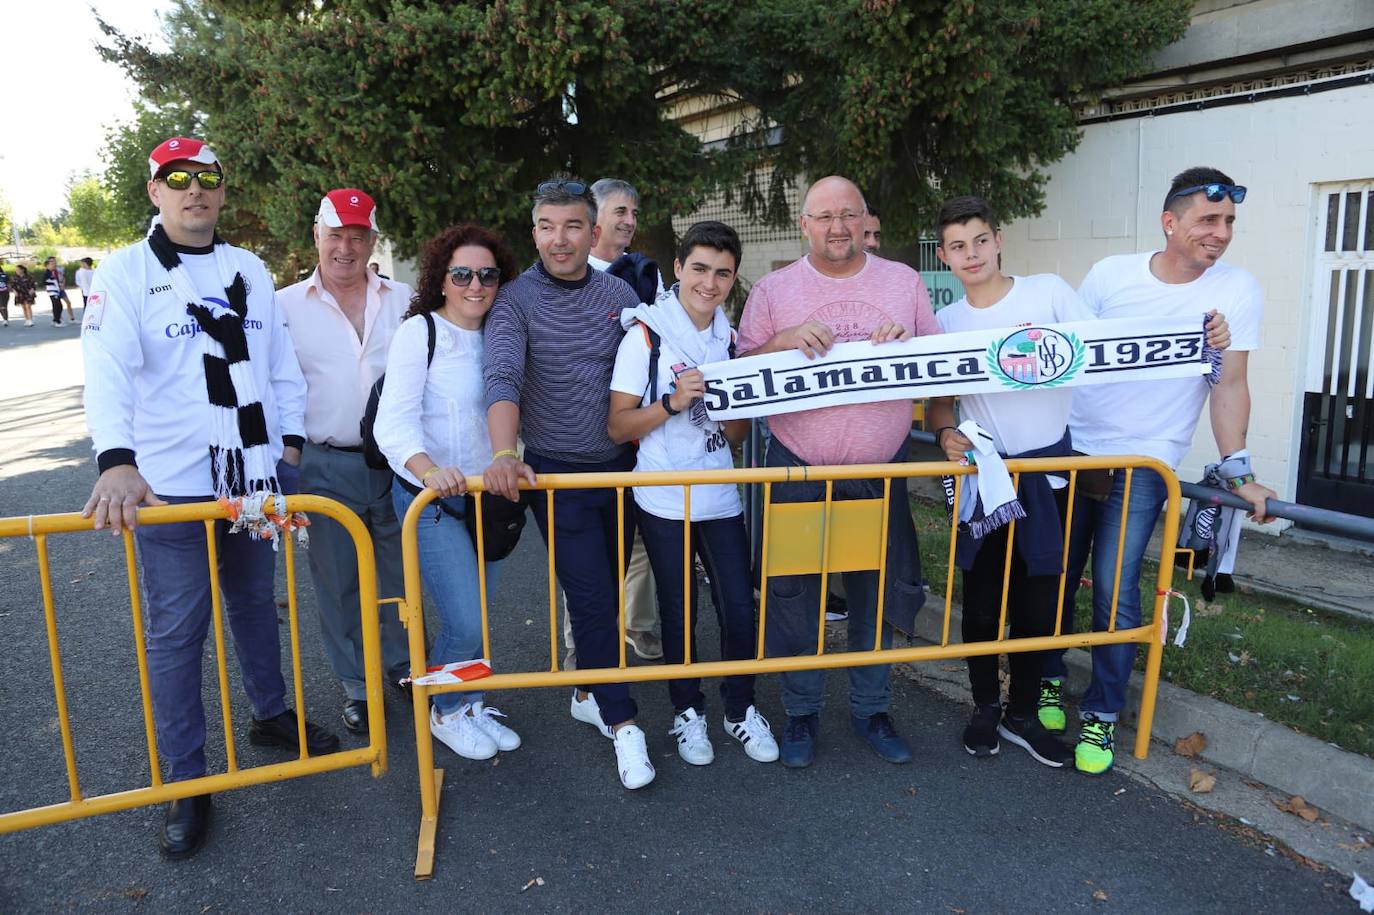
(668, 406)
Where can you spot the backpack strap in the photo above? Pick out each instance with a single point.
(433, 332)
(654, 341)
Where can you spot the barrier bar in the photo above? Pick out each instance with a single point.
(206, 513)
(291, 618)
(59, 686)
(763, 569)
(141, 656)
(949, 571)
(688, 575)
(826, 528)
(1120, 548)
(882, 564)
(1064, 560)
(1006, 564)
(217, 616)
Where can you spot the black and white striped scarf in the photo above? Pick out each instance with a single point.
(240, 450)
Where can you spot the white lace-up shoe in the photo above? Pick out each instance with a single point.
(587, 710)
(755, 734)
(460, 732)
(632, 757)
(692, 743)
(485, 716)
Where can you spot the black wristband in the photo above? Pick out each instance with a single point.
(115, 457)
(293, 441)
(942, 429)
(667, 406)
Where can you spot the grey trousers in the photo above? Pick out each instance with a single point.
(345, 477)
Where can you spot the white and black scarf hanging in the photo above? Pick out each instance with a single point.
(240, 450)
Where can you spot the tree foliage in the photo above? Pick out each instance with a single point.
(92, 212)
(454, 110)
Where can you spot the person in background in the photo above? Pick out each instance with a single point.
(55, 283)
(84, 274)
(24, 292)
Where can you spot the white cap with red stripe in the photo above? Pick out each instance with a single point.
(180, 149)
(347, 206)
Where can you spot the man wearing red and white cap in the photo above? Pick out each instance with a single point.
(194, 394)
(341, 319)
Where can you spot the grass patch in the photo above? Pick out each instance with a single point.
(1311, 671)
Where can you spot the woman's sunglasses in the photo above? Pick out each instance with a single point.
(462, 276)
(180, 179)
(1215, 193)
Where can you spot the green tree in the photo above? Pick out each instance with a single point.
(92, 212)
(455, 110)
(921, 101)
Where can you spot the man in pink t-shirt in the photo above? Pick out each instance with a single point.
(838, 293)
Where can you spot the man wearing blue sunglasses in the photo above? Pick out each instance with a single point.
(1155, 418)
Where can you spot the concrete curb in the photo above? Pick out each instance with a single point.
(1247, 743)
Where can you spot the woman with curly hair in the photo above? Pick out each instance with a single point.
(24, 292)
(432, 426)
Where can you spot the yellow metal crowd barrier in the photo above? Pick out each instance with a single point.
(797, 538)
(40, 527)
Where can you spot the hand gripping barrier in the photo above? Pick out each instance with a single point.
(40, 527)
(823, 537)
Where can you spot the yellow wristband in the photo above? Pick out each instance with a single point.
(506, 452)
(429, 473)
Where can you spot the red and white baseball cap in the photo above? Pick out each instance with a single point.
(347, 206)
(180, 149)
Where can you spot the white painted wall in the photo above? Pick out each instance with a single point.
(1106, 197)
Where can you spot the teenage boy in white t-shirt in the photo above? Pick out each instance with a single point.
(658, 401)
(1023, 424)
(1155, 418)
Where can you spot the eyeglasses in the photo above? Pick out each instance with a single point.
(462, 276)
(561, 186)
(180, 179)
(1215, 193)
(825, 219)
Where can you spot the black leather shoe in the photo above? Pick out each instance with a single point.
(185, 826)
(355, 715)
(281, 732)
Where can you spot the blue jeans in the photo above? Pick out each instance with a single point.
(176, 587)
(723, 546)
(448, 567)
(1098, 524)
(586, 561)
(793, 623)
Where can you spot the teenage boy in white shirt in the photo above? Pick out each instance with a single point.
(1022, 424)
(674, 433)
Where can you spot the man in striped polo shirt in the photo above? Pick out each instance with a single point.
(551, 341)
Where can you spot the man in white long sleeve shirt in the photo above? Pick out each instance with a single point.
(193, 392)
(341, 319)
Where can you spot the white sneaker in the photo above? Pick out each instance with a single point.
(485, 716)
(755, 734)
(692, 743)
(28, 323)
(632, 757)
(587, 710)
(461, 734)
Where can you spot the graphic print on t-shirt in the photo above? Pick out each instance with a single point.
(850, 320)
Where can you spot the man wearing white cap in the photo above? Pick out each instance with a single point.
(341, 319)
(193, 393)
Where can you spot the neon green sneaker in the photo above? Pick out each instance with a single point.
(1093, 755)
(1051, 705)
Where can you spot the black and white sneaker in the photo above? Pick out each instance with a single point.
(980, 737)
(1030, 735)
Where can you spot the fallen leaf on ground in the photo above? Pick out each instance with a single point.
(1191, 745)
(1360, 844)
(951, 668)
(135, 892)
(1298, 806)
(1200, 782)
(1209, 608)
(1100, 895)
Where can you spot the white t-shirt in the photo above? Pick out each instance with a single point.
(1157, 418)
(84, 275)
(440, 410)
(1019, 421)
(688, 441)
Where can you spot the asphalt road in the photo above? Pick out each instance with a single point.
(945, 834)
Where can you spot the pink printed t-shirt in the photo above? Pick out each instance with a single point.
(853, 307)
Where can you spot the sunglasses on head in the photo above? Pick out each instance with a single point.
(180, 179)
(462, 276)
(561, 185)
(1215, 193)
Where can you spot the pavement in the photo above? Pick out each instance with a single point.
(947, 833)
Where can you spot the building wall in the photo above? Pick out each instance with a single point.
(1106, 197)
